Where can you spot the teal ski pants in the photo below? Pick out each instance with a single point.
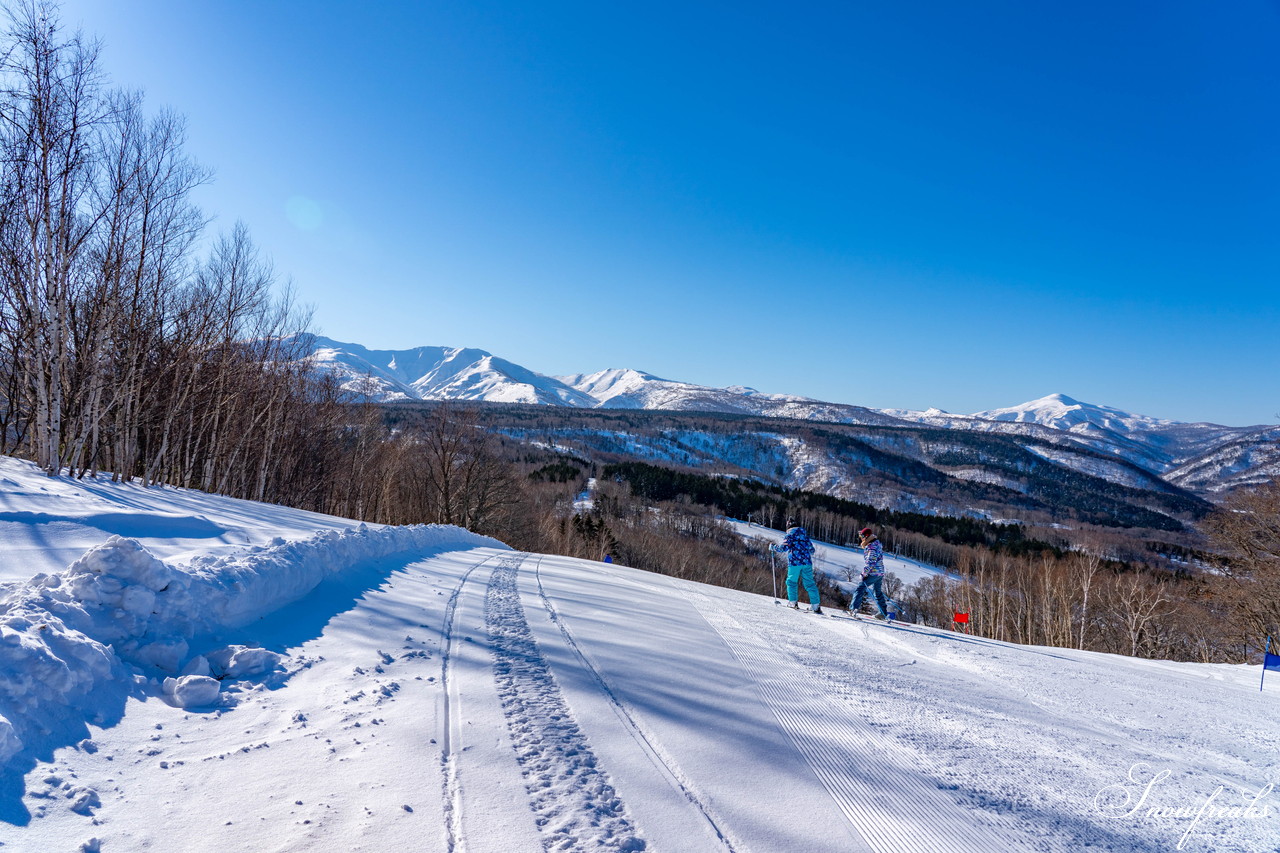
(796, 574)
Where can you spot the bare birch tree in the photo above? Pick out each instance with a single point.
(51, 107)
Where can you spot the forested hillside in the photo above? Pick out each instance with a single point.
(927, 470)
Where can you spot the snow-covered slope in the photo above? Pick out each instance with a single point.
(46, 524)
(419, 689)
(1249, 462)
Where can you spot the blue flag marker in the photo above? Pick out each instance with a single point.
(1269, 661)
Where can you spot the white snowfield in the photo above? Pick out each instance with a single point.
(46, 524)
(391, 689)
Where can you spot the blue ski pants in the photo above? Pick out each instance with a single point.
(797, 574)
(872, 584)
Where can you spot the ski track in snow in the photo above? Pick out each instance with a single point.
(871, 778)
(651, 746)
(448, 755)
(576, 805)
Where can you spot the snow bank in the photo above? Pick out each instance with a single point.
(119, 610)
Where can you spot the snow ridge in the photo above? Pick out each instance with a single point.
(75, 643)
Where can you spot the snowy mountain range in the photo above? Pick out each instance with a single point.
(1202, 457)
(439, 373)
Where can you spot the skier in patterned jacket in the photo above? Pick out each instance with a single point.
(872, 574)
(799, 550)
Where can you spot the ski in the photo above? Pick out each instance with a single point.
(857, 617)
(803, 609)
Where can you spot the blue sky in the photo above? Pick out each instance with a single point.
(907, 204)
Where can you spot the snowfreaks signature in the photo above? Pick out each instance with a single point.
(1117, 802)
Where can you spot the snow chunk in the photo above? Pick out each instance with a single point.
(84, 801)
(198, 665)
(243, 661)
(10, 743)
(190, 691)
(165, 654)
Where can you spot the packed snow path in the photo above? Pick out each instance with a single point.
(876, 784)
(500, 697)
(481, 700)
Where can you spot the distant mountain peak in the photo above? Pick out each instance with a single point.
(613, 383)
(1067, 413)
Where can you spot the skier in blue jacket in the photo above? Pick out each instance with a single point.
(799, 550)
(872, 574)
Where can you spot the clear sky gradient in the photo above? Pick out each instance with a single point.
(905, 204)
